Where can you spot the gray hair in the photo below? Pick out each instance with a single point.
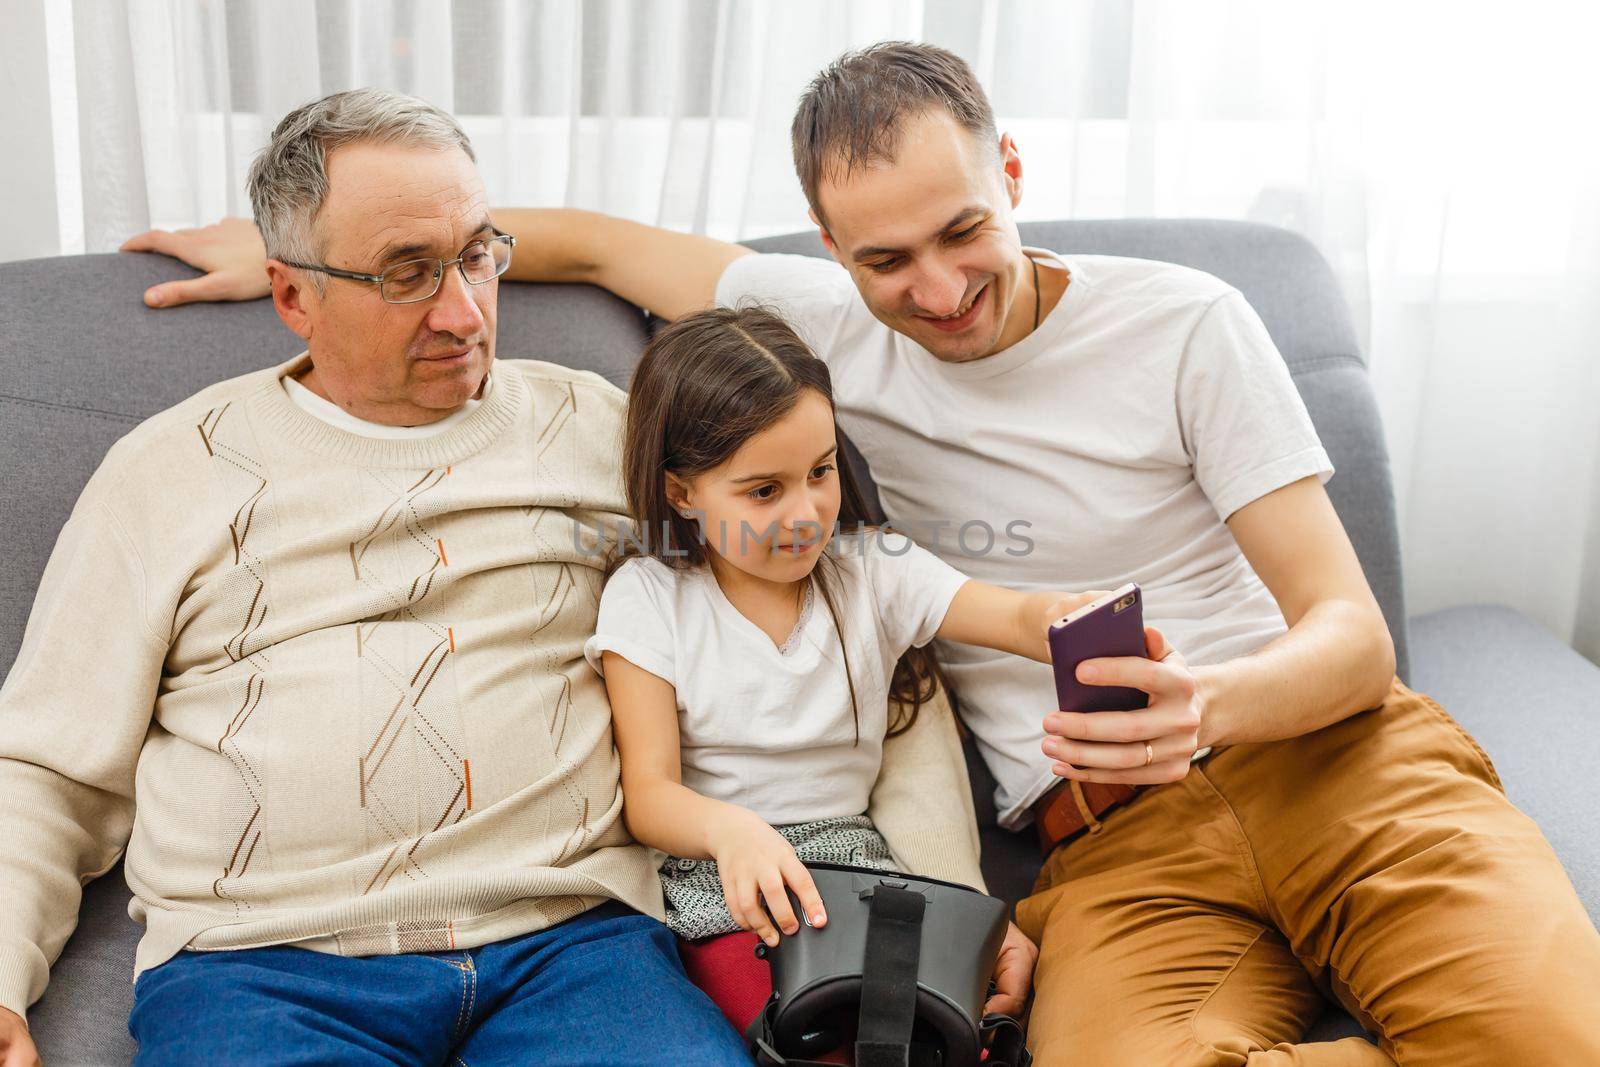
(289, 178)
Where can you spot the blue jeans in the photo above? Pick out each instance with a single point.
(606, 987)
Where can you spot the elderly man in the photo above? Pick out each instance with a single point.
(1286, 820)
(310, 647)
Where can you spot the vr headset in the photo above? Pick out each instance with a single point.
(902, 969)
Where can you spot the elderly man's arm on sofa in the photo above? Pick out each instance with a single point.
(664, 271)
(74, 712)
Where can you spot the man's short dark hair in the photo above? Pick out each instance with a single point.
(853, 112)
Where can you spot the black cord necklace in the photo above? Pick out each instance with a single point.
(1035, 263)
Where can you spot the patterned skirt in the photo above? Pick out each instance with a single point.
(696, 907)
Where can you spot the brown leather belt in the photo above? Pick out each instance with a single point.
(1071, 807)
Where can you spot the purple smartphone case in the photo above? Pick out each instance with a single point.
(1103, 632)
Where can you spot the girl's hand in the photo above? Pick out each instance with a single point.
(755, 863)
(1066, 604)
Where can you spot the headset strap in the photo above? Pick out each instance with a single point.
(889, 977)
(1004, 1038)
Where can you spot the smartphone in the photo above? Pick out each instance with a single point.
(1113, 625)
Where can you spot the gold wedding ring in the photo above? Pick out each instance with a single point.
(1149, 754)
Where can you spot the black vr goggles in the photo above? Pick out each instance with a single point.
(902, 967)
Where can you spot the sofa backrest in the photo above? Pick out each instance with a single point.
(82, 361)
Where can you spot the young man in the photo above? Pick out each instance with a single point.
(1285, 820)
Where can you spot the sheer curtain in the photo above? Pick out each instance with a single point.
(1435, 152)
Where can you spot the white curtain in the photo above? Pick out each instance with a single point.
(1442, 155)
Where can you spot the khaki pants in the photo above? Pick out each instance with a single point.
(1377, 862)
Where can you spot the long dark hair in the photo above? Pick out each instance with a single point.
(705, 385)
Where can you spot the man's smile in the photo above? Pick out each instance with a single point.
(960, 319)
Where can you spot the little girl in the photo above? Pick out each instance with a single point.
(750, 654)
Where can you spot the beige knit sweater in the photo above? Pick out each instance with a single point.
(330, 690)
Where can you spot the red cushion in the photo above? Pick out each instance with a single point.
(727, 969)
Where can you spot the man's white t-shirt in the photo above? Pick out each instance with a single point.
(1110, 445)
(771, 729)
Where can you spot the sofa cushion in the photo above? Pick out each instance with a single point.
(1534, 705)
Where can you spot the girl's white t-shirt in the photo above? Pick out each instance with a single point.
(771, 730)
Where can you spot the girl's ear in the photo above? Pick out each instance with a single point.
(678, 494)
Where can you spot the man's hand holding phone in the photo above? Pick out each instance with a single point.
(1139, 746)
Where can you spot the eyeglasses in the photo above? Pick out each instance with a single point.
(418, 279)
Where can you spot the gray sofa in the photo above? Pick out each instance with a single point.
(83, 361)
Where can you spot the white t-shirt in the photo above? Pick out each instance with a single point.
(339, 418)
(773, 731)
(1107, 446)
